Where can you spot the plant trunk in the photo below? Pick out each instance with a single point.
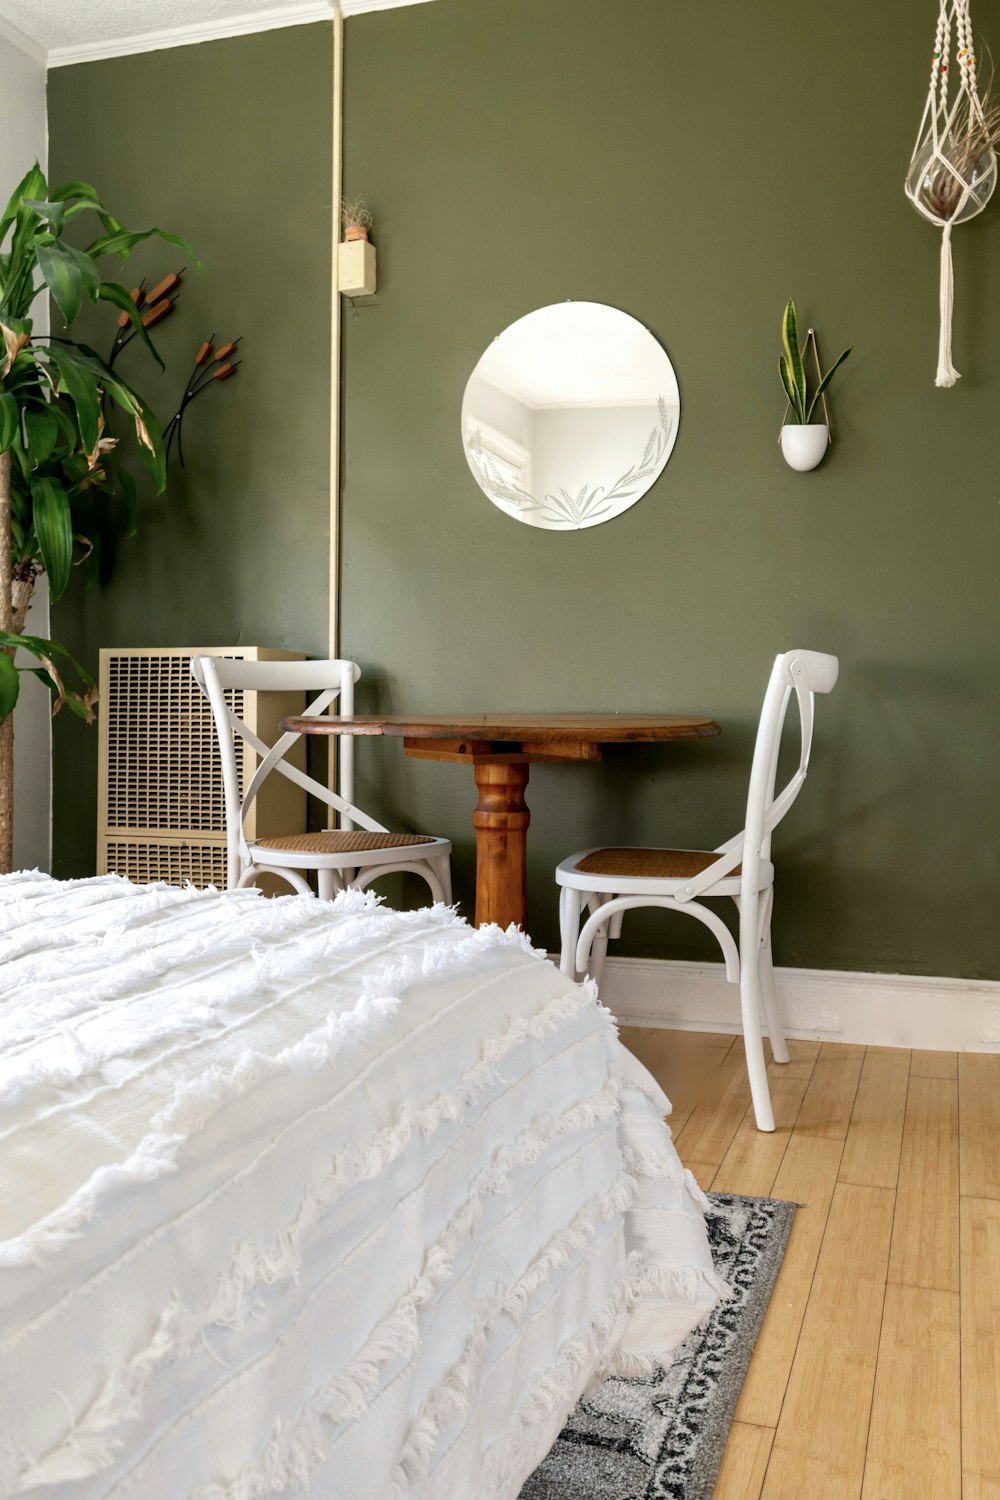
(7, 724)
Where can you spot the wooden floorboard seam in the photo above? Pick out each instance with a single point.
(961, 1299)
(885, 1292)
(812, 1283)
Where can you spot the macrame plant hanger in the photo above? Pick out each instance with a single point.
(953, 170)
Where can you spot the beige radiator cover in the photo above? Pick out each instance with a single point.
(161, 811)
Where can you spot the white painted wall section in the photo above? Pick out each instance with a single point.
(23, 138)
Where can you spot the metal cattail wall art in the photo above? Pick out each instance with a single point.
(210, 363)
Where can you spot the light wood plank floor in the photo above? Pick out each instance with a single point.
(877, 1372)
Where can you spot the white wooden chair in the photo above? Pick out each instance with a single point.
(355, 853)
(611, 881)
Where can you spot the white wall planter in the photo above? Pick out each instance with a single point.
(804, 444)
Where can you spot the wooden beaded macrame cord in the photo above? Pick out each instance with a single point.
(934, 139)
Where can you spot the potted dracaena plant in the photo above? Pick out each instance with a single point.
(803, 441)
(64, 484)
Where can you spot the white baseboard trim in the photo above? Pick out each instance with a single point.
(879, 1010)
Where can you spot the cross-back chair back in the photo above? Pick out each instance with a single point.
(357, 848)
(612, 881)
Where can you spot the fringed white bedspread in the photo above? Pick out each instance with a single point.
(310, 1198)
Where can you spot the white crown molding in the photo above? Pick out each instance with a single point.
(357, 7)
(876, 1010)
(295, 13)
(23, 43)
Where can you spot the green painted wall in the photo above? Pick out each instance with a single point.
(694, 165)
(227, 143)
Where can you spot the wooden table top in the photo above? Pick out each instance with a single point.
(596, 729)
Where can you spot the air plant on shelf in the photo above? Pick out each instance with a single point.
(355, 218)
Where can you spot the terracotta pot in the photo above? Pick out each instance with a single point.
(355, 232)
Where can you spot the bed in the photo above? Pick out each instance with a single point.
(314, 1198)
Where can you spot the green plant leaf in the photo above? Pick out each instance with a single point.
(128, 488)
(826, 381)
(786, 381)
(80, 704)
(86, 198)
(790, 339)
(62, 278)
(110, 291)
(10, 426)
(76, 190)
(68, 274)
(10, 683)
(43, 431)
(80, 707)
(78, 382)
(54, 529)
(53, 214)
(32, 185)
(40, 646)
(150, 438)
(147, 428)
(124, 241)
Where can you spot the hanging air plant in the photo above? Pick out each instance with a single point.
(953, 170)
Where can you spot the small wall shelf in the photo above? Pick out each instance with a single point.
(356, 268)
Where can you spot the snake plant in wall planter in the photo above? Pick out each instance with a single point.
(66, 490)
(803, 441)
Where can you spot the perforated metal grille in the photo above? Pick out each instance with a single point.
(163, 767)
(201, 864)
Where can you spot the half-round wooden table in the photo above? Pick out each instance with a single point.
(501, 747)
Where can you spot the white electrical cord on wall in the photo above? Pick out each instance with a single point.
(336, 188)
(337, 169)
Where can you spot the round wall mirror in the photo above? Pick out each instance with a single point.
(570, 416)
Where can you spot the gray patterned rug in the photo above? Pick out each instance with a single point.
(661, 1437)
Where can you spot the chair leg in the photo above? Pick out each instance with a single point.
(327, 884)
(569, 928)
(430, 870)
(294, 878)
(599, 947)
(772, 1012)
(750, 1006)
(444, 875)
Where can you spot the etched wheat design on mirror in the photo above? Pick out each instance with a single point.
(592, 502)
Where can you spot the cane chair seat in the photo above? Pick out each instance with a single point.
(648, 864)
(332, 841)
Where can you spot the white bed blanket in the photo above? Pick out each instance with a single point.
(311, 1198)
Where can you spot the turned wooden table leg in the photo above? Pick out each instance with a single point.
(501, 822)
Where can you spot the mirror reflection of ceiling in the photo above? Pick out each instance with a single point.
(570, 416)
(575, 354)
